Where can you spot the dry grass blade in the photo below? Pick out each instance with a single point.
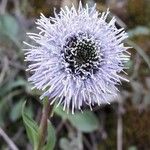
(8, 140)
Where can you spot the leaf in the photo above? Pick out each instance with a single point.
(29, 111)
(11, 85)
(137, 91)
(4, 107)
(85, 122)
(139, 30)
(59, 111)
(51, 138)
(31, 128)
(74, 142)
(132, 148)
(9, 25)
(16, 111)
(10, 28)
(147, 99)
(65, 144)
(129, 64)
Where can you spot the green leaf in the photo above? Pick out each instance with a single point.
(29, 111)
(16, 111)
(85, 122)
(132, 148)
(65, 144)
(4, 107)
(59, 111)
(147, 99)
(51, 138)
(138, 31)
(9, 25)
(31, 128)
(11, 85)
(129, 64)
(73, 142)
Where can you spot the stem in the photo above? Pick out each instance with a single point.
(119, 128)
(46, 112)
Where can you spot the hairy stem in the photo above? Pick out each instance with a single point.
(46, 113)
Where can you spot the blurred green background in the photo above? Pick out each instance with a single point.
(121, 125)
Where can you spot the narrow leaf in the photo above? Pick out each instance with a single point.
(31, 127)
(51, 138)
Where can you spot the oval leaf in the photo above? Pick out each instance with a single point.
(85, 122)
(9, 25)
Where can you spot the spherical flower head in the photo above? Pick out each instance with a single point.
(77, 57)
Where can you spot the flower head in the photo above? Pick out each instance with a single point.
(78, 57)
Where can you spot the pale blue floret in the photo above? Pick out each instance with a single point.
(56, 67)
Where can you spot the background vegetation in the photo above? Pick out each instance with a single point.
(122, 125)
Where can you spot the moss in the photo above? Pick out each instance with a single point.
(138, 11)
(136, 128)
(110, 127)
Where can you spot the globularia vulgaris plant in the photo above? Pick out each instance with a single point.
(76, 60)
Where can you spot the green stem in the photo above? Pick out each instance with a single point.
(46, 113)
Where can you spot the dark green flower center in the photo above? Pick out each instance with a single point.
(82, 55)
